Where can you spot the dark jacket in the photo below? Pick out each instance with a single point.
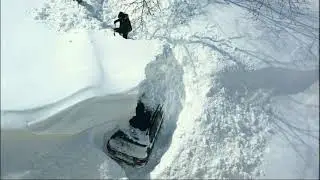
(125, 24)
(142, 118)
(79, 1)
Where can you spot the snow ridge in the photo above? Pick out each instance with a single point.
(64, 16)
(237, 137)
(216, 136)
(164, 84)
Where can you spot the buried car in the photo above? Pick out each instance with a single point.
(134, 145)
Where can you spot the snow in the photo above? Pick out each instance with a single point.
(137, 135)
(64, 74)
(240, 96)
(68, 64)
(80, 66)
(225, 127)
(26, 155)
(298, 137)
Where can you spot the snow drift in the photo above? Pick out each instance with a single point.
(69, 89)
(59, 66)
(240, 98)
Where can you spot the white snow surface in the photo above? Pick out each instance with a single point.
(48, 70)
(240, 96)
(136, 135)
(45, 73)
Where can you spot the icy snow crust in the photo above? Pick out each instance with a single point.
(240, 98)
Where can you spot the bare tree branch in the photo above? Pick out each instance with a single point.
(140, 10)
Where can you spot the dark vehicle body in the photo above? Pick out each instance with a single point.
(130, 150)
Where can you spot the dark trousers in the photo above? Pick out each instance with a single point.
(122, 32)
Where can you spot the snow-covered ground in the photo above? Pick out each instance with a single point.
(240, 95)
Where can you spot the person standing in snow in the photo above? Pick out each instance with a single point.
(125, 25)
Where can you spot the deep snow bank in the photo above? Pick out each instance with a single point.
(81, 80)
(65, 63)
(63, 68)
(224, 131)
(82, 65)
(164, 85)
(216, 136)
(295, 120)
(68, 16)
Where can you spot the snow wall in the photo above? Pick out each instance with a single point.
(69, 89)
(164, 84)
(82, 124)
(71, 67)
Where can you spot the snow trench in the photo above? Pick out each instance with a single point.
(89, 116)
(163, 85)
(101, 104)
